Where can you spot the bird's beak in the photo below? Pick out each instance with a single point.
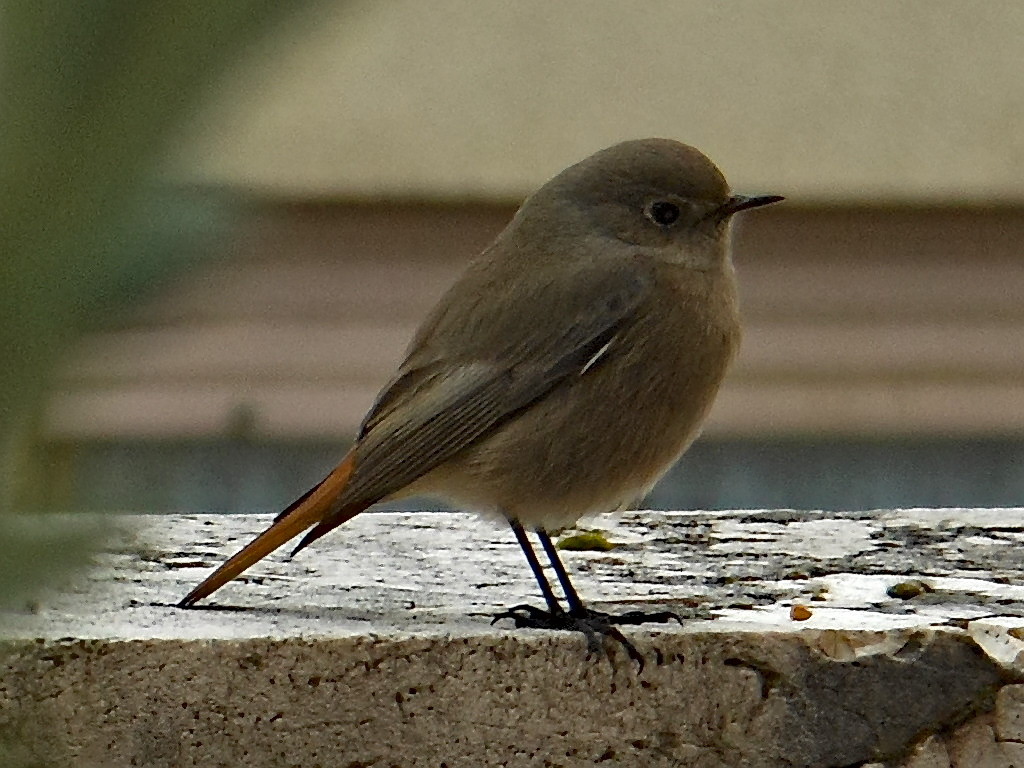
(738, 203)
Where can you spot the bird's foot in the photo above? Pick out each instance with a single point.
(594, 625)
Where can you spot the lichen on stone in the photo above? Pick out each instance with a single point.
(586, 541)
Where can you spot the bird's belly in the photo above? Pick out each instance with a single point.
(595, 444)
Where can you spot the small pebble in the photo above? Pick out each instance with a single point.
(905, 590)
(800, 613)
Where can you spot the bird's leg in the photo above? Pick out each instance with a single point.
(576, 607)
(592, 624)
(538, 570)
(571, 596)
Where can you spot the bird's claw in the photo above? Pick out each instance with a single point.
(594, 625)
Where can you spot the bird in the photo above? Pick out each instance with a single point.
(564, 372)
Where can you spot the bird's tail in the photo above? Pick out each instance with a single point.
(315, 507)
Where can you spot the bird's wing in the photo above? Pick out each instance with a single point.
(438, 405)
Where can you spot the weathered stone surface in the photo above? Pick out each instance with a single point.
(377, 649)
(931, 753)
(703, 699)
(1013, 751)
(1010, 713)
(417, 571)
(975, 746)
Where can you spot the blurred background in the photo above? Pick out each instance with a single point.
(341, 174)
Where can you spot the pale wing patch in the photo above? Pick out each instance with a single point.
(597, 356)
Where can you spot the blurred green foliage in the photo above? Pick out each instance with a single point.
(90, 95)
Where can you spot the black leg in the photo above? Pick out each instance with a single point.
(575, 604)
(593, 626)
(538, 571)
(596, 626)
(580, 611)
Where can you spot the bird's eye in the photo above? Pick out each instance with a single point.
(662, 212)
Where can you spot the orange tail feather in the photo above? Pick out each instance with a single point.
(309, 510)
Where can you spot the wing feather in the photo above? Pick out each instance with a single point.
(436, 407)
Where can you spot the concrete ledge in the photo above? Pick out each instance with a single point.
(377, 650)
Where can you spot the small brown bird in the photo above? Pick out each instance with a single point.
(563, 374)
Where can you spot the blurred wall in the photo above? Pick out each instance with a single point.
(376, 152)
